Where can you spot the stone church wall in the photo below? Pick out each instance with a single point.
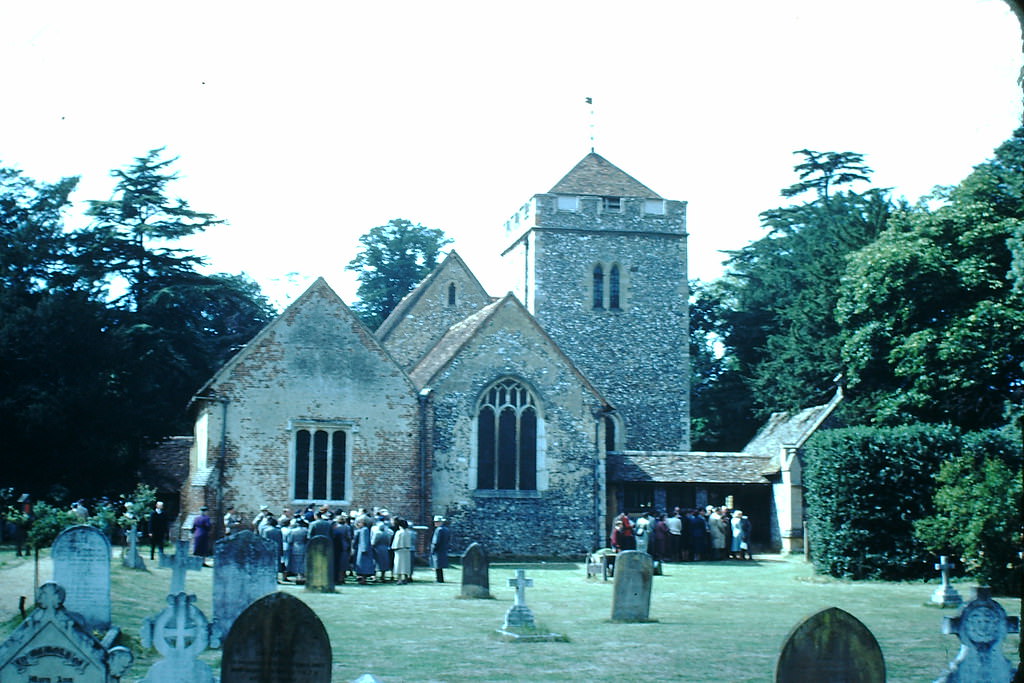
(638, 356)
(315, 365)
(563, 517)
(417, 329)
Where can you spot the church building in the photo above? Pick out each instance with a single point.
(528, 419)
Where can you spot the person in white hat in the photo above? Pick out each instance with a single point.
(439, 544)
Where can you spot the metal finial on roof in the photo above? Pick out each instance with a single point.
(590, 101)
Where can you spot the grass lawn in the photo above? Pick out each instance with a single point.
(716, 621)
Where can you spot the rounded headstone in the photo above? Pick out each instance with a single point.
(832, 645)
(277, 639)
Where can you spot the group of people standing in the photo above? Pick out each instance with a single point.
(369, 547)
(714, 533)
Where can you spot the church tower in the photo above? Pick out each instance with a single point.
(600, 261)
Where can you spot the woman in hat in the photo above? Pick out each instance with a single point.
(364, 549)
(202, 539)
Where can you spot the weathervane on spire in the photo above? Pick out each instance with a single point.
(590, 101)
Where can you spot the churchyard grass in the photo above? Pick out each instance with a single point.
(722, 622)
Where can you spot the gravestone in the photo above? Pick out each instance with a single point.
(476, 582)
(81, 565)
(981, 626)
(519, 624)
(131, 558)
(519, 615)
(631, 588)
(831, 645)
(50, 645)
(277, 639)
(320, 565)
(244, 570)
(180, 633)
(945, 595)
(180, 563)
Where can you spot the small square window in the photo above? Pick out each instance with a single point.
(654, 206)
(568, 203)
(611, 203)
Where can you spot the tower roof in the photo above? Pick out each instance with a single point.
(595, 175)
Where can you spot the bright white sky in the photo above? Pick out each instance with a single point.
(305, 124)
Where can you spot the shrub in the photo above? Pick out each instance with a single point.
(978, 509)
(865, 487)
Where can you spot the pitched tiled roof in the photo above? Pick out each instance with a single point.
(165, 465)
(686, 467)
(450, 344)
(789, 429)
(595, 175)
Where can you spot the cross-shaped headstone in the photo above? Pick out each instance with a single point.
(520, 583)
(982, 626)
(180, 633)
(945, 595)
(180, 562)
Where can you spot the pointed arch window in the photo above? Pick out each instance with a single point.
(451, 293)
(507, 425)
(598, 289)
(613, 288)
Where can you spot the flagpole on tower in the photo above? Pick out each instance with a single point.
(590, 101)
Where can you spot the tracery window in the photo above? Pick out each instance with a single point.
(320, 461)
(507, 438)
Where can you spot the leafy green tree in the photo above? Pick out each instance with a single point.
(90, 377)
(131, 233)
(393, 260)
(720, 403)
(775, 303)
(32, 231)
(978, 509)
(931, 318)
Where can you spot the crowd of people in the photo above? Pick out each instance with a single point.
(369, 547)
(712, 533)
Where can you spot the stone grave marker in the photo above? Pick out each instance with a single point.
(180, 563)
(81, 565)
(244, 570)
(476, 582)
(832, 645)
(180, 633)
(277, 639)
(320, 565)
(981, 626)
(945, 595)
(131, 558)
(519, 623)
(50, 645)
(631, 589)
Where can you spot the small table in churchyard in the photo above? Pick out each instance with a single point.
(180, 563)
(945, 595)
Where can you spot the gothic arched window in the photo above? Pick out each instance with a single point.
(451, 294)
(613, 288)
(598, 286)
(506, 443)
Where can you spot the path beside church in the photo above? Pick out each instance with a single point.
(17, 578)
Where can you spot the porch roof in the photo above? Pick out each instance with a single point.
(687, 467)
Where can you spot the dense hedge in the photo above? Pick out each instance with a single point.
(865, 487)
(978, 509)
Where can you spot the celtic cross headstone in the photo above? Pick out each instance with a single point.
(982, 627)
